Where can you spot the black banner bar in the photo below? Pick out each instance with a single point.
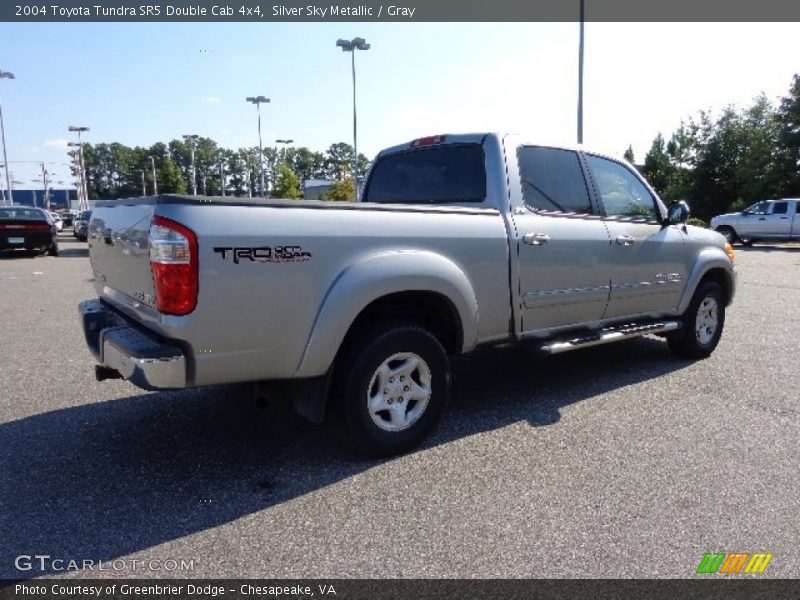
(712, 587)
(259, 11)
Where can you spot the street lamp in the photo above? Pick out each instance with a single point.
(191, 139)
(6, 75)
(580, 81)
(351, 46)
(155, 183)
(77, 169)
(257, 100)
(84, 183)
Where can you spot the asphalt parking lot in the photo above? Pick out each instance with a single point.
(618, 461)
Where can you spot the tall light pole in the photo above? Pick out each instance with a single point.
(153, 167)
(191, 139)
(6, 75)
(580, 81)
(46, 184)
(85, 184)
(76, 161)
(351, 46)
(258, 100)
(221, 160)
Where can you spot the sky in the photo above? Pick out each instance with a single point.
(141, 83)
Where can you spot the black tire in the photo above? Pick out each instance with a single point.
(358, 378)
(696, 339)
(747, 242)
(729, 234)
(52, 250)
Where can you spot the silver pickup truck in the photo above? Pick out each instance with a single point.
(354, 308)
(774, 220)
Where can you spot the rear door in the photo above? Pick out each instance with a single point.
(562, 244)
(796, 220)
(649, 260)
(778, 221)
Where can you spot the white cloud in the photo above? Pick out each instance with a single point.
(59, 143)
(210, 99)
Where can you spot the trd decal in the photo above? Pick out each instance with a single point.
(265, 254)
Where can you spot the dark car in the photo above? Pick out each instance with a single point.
(25, 228)
(68, 217)
(81, 225)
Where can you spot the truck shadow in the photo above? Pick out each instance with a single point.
(103, 480)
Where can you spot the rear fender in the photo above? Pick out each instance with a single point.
(377, 276)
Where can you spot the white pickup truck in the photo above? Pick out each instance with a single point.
(459, 241)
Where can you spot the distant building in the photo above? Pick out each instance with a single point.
(314, 188)
(59, 199)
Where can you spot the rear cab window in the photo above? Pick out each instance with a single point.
(552, 180)
(780, 208)
(27, 214)
(446, 174)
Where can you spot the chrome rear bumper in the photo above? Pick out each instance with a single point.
(136, 354)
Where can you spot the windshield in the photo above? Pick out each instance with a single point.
(29, 214)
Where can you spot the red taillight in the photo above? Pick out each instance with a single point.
(26, 226)
(428, 141)
(173, 263)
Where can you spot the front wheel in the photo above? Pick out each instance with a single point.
(729, 233)
(391, 387)
(702, 323)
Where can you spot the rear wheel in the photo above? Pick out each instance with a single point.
(52, 249)
(702, 323)
(391, 388)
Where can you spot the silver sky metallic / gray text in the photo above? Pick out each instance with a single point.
(335, 10)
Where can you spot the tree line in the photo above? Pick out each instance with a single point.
(726, 163)
(115, 170)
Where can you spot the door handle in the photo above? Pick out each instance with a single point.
(762, 218)
(535, 239)
(626, 240)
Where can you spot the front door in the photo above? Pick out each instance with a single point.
(650, 260)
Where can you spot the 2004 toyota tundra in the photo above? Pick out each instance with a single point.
(459, 241)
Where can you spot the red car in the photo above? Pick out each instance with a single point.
(26, 228)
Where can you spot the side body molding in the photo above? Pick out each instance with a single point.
(376, 276)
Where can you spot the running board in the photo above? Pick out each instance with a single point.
(607, 336)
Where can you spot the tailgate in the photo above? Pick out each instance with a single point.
(118, 237)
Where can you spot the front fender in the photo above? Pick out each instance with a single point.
(708, 259)
(377, 276)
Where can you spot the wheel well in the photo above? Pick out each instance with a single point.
(429, 310)
(719, 277)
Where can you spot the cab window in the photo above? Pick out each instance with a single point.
(621, 192)
(760, 208)
(552, 180)
(780, 208)
(454, 173)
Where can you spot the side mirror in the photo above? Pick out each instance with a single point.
(745, 213)
(678, 212)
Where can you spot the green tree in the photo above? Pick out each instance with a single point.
(170, 179)
(287, 185)
(788, 120)
(657, 167)
(629, 155)
(343, 190)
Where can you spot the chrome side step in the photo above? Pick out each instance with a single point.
(608, 335)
